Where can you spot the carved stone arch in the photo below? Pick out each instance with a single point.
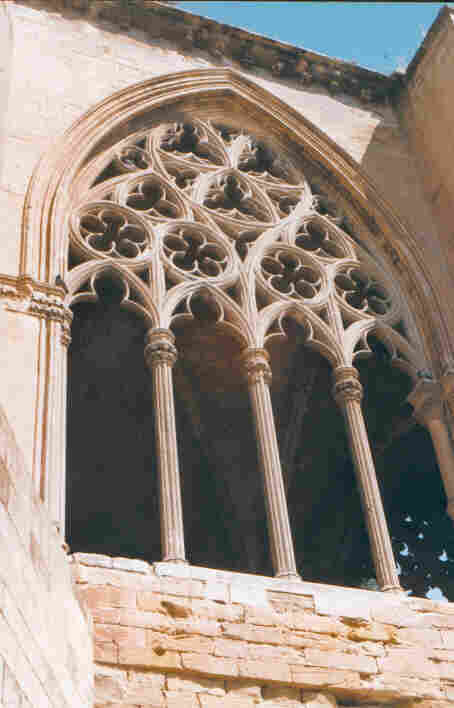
(66, 173)
(210, 92)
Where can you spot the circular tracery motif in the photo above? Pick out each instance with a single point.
(362, 292)
(190, 249)
(289, 274)
(315, 236)
(201, 183)
(112, 232)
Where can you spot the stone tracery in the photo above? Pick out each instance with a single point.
(200, 202)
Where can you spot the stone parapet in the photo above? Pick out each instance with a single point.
(185, 635)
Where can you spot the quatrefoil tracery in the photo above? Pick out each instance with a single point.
(362, 291)
(289, 273)
(193, 249)
(109, 231)
(225, 206)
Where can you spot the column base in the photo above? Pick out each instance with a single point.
(288, 576)
(176, 561)
(395, 589)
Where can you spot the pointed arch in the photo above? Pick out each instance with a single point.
(53, 186)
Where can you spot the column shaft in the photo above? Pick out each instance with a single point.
(426, 398)
(258, 374)
(161, 354)
(348, 394)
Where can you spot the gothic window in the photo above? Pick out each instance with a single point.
(256, 287)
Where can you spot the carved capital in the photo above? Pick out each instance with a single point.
(255, 365)
(347, 386)
(427, 401)
(160, 347)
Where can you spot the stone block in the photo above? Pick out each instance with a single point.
(132, 565)
(108, 596)
(181, 587)
(341, 660)
(311, 677)
(409, 662)
(226, 702)
(133, 636)
(178, 699)
(231, 648)
(207, 628)
(252, 595)
(303, 621)
(148, 620)
(106, 652)
(110, 686)
(216, 591)
(180, 642)
(213, 665)
(419, 636)
(263, 617)
(272, 653)
(397, 615)
(243, 687)
(93, 559)
(193, 685)
(343, 602)
(281, 694)
(370, 631)
(318, 700)
(260, 635)
(265, 670)
(150, 601)
(176, 609)
(217, 611)
(149, 657)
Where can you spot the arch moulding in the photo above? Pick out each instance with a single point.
(222, 92)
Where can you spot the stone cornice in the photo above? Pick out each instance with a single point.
(224, 42)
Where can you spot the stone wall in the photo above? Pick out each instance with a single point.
(45, 644)
(184, 636)
(65, 62)
(426, 111)
(6, 41)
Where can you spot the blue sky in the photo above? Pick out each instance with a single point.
(380, 36)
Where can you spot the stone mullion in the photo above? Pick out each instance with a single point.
(256, 365)
(161, 355)
(427, 401)
(348, 394)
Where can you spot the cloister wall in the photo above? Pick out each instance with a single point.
(167, 635)
(45, 644)
(202, 638)
(426, 111)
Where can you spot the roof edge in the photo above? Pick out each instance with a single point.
(247, 50)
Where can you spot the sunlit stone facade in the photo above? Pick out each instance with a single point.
(227, 473)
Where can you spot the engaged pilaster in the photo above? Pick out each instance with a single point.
(428, 404)
(258, 373)
(348, 393)
(161, 355)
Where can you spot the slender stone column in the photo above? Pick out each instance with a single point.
(256, 367)
(348, 393)
(426, 399)
(52, 482)
(161, 355)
